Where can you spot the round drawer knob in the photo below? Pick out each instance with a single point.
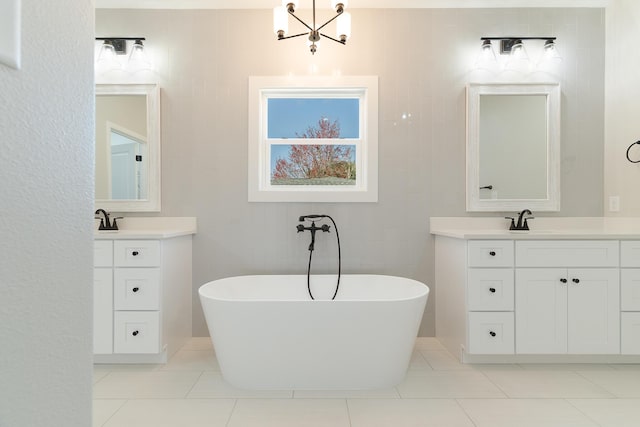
(493, 334)
(492, 290)
(135, 289)
(134, 333)
(135, 253)
(563, 280)
(575, 280)
(492, 253)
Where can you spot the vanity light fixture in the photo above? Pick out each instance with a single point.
(515, 48)
(112, 47)
(342, 18)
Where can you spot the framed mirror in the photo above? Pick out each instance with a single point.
(128, 147)
(513, 147)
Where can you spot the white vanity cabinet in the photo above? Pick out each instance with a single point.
(142, 298)
(534, 299)
(567, 297)
(630, 296)
(490, 290)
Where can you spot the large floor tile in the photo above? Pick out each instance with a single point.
(619, 383)
(447, 384)
(385, 393)
(443, 361)
(139, 385)
(212, 385)
(610, 412)
(103, 409)
(198, 343)
(545, 384)
(428, 344)
(524, 413)
(418, 362)
(626, 367)
(192, 360)
(407, 413)
(290, 413)
(173, 413)
(565, 367)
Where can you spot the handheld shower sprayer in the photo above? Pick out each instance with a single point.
(324, 228)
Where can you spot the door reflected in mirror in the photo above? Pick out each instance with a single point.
(127, 147)
(121, 147)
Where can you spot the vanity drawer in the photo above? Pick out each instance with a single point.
(136, 288)
(491, 333)
(102, 253)
(136, 253)
(630, 253)
(630, 289)
(490, 289)
(490, 253)
(136, 332)
(630, 333)
(567, 253)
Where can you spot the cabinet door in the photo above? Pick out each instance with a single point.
(541, 311)
(102, 311)
(594, 311)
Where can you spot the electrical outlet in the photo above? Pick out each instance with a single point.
(614, 203)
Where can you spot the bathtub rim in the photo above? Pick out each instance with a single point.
(424, 292)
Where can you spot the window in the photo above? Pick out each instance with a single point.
(313, 139)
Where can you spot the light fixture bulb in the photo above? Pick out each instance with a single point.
(343, 27)
(107, 60)
(487, 57)
(519, 59)
(280, 21)
(138, 60)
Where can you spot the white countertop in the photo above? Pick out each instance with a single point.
(579, 228)
(149, 228)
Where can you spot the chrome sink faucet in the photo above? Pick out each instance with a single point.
(521, 225)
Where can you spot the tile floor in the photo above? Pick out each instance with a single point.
(437, 391)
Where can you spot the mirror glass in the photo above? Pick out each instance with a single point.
(127, 148)
(513, 147)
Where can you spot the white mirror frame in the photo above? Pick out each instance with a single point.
(474, 202)
(152, 92)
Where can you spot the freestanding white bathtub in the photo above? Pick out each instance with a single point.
(268, 333)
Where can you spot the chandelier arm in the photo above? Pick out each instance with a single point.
(301, 21)
(295, 35)
(331, 38)
(328, 22)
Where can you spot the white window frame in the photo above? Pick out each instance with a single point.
(364, 88)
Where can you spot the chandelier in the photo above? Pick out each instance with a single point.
(342, 18)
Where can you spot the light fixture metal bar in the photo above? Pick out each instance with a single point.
(121, 38)
(295, 35)
(518, 38)
(331, 38)
(329, 21)
(301, 21)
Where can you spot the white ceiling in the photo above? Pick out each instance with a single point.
(376, 4)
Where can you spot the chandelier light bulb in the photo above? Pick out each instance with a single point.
(280, 21)
(343, 26)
